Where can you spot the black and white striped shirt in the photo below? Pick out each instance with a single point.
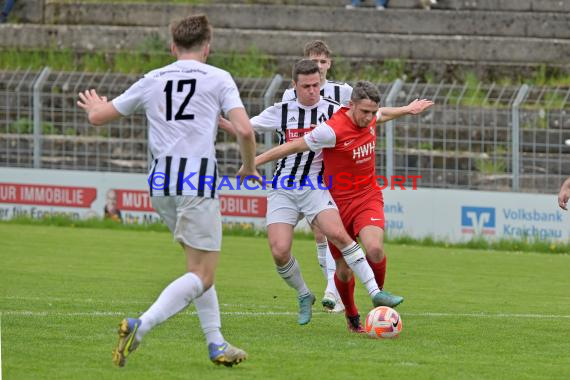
(175, 175)
(292, 120)
(338, 91)
(182, 102)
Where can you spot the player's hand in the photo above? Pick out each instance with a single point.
(563, 197)
(419, 106)
(89, 99)
(226, 126)
(249, 174)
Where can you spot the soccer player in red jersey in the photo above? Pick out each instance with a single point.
(348, 141)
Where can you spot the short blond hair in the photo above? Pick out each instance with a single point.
(191, 32)
(317, 47)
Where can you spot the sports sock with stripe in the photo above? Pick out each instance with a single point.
(291, 273)
(173, 299)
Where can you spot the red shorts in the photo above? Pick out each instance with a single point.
(359, 213)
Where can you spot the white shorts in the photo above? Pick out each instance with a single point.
(289, 206)
(194, 221)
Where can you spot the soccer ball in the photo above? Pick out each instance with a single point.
(383, 322)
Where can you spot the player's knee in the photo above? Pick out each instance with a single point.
(339, 238)
(375, 253)
(206, 277)
(279, 248)
(281, 252)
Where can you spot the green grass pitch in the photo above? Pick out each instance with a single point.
(468, 314)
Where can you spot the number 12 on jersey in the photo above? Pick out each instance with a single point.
(180, 115)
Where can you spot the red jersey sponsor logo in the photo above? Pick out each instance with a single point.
(47, 195)
(363, 151)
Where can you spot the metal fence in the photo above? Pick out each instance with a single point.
(477, 136)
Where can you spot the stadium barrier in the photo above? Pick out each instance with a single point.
(444, 214)
(477, 136)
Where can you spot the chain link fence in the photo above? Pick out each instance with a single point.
(477, 136)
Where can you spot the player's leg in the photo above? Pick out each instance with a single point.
(320, 209)
(372, 239)
(369, 226)
(280, 236)
(330, 223)
(353, 4)
(201, 243)
(129, 327)
(344, 281)
(200, 225)
(331, 301)
(321, 241)
(173, 299)
(220, 351)
(201, 266)
(282, 216)
(8, 5)
(198, 230)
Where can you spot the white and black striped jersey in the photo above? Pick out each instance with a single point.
(292, 120)
(182, 102)
(338, 91)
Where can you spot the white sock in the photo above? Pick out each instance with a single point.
(291, 273)
(209, 313)
(331, 268)
(354, 257)
(322, 249)
(174, 298)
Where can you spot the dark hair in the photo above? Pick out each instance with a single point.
(317, 47)
(304, 67)
(191, 32)
(365, 90)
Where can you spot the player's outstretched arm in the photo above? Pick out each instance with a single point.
(564, 194)
(295, 146)
(246, 139)
(416, 107)
(99, 110)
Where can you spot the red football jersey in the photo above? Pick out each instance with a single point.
(350, 166)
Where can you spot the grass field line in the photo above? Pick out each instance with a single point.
(120, 302)
(50, 313)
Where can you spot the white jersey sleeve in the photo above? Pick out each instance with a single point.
(267, 121)
(321, 137)
(229, 95)
(132, 99)
(289, 94)
(345, 94)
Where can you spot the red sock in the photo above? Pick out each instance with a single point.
(346, 292)
(379, 270)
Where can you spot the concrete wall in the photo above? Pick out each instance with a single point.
(371, 46)
(296, 18)
(29, 11)
(495, 5)
(456, 34)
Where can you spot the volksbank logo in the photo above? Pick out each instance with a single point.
(478, 220)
